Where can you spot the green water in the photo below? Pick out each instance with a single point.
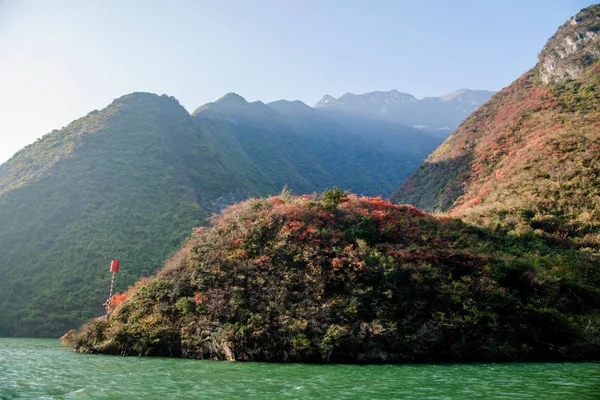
(41, 369)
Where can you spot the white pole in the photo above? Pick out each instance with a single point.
(112, 285)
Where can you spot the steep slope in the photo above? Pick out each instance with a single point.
(437, 115)
(127, 182)
(529, 157)
(353, 279)
(409, 143)
(357, 156)
(271, 145)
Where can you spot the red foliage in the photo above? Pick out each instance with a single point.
(337, 263)
(117, 299)
(198, 298)
(276, 201)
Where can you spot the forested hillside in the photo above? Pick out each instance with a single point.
(341, 278)
(297, 146)
(128, 182)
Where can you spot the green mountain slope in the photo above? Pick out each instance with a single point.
(529, 158)
(267, 141)
(302, 147)
(128, 182)
(353, 163)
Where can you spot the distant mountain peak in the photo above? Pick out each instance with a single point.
(399, 96)
(235, 108)
(404, 108)
(136, 97)
(453, 95)
(391, 96)
(324, 100)
(232, 98)
(227, 103)
(290, 105)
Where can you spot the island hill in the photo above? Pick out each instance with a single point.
(341, 278)
(510, 272)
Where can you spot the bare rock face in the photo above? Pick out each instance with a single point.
(573, 48)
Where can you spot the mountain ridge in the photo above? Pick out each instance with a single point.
(403, 108)
(131, 187)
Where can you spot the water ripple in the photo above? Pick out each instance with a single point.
(41, 369)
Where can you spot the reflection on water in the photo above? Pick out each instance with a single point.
(41, 368)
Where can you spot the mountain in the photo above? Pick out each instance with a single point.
(300, 147)
(437, 114)
(342, 278)
(529, 158)
(129, 182)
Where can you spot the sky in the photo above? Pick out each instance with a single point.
(61, 59)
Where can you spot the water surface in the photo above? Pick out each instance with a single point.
(42, 369)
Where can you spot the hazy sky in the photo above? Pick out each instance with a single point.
(61, 59)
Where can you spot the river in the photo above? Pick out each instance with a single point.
(42, 369)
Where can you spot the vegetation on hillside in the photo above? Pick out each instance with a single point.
(308, 151)
(128, 182)
(132, 180)
(528, 161)
(343, 278)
